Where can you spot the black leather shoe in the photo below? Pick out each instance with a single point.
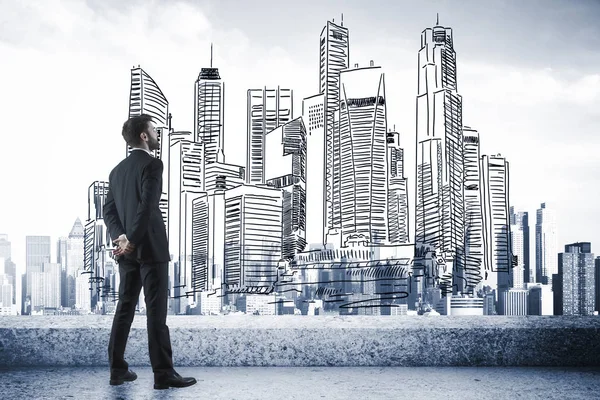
(174, 380)
(121, 378)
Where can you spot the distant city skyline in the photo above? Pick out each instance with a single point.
(562, 87)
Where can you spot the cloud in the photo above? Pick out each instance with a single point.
(527, 86)
(109, 32)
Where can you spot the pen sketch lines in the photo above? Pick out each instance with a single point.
(317, 218)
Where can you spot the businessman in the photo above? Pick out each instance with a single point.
(134, 221)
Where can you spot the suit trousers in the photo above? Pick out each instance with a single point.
(153, 277)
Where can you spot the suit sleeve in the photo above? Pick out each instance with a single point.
(150, 198)
(111, 216)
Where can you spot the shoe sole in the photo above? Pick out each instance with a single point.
(117, 382)
(158, 386)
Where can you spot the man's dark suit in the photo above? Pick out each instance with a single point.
(132, 208)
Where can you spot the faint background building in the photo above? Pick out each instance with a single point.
(574, 284)
(546, 245)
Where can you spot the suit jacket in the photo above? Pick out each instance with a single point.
(132, 206)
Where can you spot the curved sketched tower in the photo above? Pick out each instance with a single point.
(145, 97)
(363, 147)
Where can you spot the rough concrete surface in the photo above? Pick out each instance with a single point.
(300, 341)
(311, 383)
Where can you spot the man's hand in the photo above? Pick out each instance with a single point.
(120, 239)
(124, 246)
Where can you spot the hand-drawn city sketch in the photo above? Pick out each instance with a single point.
(318, 217)
(333, 210)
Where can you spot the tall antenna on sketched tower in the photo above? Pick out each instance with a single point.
(211, 54)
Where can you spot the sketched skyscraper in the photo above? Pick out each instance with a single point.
(252, 245)
(209, 106)
(145, 97)
(334, 56)
(313, 115)
(186, 181)
(397, 191)
(363, 147)
(496, 222)
(285, 169)
(96, 245)
(474, 250)
(201, 276)
(546, 245)
(440, 191)
(267, 110)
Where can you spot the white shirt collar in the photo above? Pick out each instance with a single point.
(147, 151)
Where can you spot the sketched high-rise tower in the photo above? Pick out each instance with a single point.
(474, 245)
(186, 181)
(97, 245)
(496, 223)
(145, 97)
(439, 215)
(252, 245)
(313, 115)
(546, 245)
(397, 191)
(334, 56)
(285, 169)
(209, 106)
(268, 109)
(363, 147)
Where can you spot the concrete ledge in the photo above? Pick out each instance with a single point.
(302, 341)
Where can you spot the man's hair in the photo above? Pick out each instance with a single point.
(133, 127)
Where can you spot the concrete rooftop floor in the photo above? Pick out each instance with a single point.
(311, 383)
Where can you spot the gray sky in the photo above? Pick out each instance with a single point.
(528, 71)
